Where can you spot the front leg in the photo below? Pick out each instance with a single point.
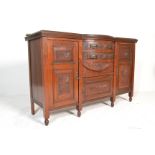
(130, 96)
(112, 99)
(46, 116)
(79, 108)
(46, 122)
(32, 108)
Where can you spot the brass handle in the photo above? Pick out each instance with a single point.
(93, 45)
(93, 56)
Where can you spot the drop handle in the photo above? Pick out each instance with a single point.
(93, 56)
(93, 45)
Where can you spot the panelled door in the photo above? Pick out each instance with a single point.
(64, 58)
(124, 66)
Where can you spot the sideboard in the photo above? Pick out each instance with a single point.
(70, 69)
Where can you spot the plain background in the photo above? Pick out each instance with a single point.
(120, 18)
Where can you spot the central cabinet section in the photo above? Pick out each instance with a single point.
(96, 69)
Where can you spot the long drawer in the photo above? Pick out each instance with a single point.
(97, 87)
(97, 67)
(98, 44)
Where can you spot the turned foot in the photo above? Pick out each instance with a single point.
(112, 102)
(33, 112)
(130, 96)
(78, 113)
(46, 122)
(130, 99)
(78, 108)
(32, 109)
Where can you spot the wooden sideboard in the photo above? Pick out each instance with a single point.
(69, 69)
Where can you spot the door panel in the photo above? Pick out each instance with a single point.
(63, 85)
(63, 51)
(124, 67)
(65, 70)
(125, 52)
(124, 76)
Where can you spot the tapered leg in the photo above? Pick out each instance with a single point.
(46, 116)
(130, 96)
(112, 99)
(79, 108)
(32, 108)
(46, 122)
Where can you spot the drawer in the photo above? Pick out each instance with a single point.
(97, 87)
(92, 55)
(97, 44)
(97, 67)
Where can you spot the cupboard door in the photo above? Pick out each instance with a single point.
(64, 73)
(124, 67)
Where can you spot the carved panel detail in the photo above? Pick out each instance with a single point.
(124, 52)
(97, 87)
(61, 55)
(63, 85)
(98, 66)
(63, 51)
(124, 75)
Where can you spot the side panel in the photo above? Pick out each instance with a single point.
(35, 67)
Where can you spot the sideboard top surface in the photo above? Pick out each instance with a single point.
(69, 35)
